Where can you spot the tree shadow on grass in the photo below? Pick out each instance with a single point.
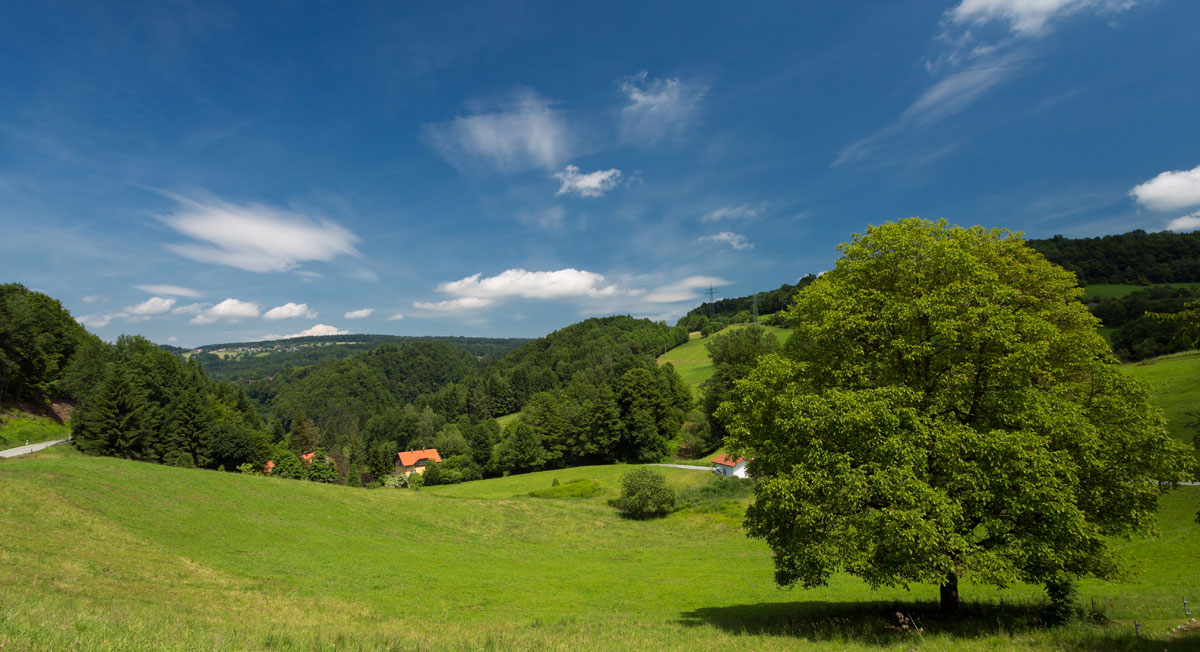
(889, 623)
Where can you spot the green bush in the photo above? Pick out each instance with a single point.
(645, 494)
(573, 490)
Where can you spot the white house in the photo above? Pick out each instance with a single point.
(730, 467)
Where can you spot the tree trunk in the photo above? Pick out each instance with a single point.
(950, 600)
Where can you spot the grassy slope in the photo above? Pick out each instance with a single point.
(16, 431)
(1175, 383)
(103, 554)
(691, 359)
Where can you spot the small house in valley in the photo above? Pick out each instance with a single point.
(415, 461)
(730, 466)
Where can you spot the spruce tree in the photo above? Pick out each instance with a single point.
(113, 421)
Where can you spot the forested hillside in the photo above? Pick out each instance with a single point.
(1136, 257)
(712, 317)
(251, 361)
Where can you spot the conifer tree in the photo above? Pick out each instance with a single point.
(112, 421)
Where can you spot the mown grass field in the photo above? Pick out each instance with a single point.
(1175, 385)
(103, 554)
(16, 431)
(691, 359)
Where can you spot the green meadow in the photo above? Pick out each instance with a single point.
(1175, 387)
(15, 431)
(691, 359)
(103, 554)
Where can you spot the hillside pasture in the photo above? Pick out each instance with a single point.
(104, 554)
(691, 359)
(1175, 387)
(16, 430)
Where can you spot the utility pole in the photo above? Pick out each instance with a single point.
(711, 293)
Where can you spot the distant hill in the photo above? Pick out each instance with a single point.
(1136, 257)
(734, 310)
(251, 361)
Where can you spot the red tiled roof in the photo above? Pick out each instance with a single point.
(268, 467)
(409, 458)
(308, 457)
(725, 460)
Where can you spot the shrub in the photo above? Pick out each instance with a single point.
(573, 490)
(645, 494)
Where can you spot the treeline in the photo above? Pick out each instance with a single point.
(1136, 258)
(251, 368)
(1138, 335)
(591, 393)
(43, 351)
(712, 317)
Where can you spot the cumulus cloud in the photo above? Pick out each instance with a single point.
(396, 317)
(557, 284)
(735, 240)
(319, 329)
(592, 184)
(98, 320)
(658, 108)
(461, 304)
(1170, 190)
(527, 133)
(1185, 223)
(359, 314)
(254, 237)
(290, 311)
(685, 290)
(228, 310)
(1030, 17)
(147, 309)
(170, 290)
(741, 212)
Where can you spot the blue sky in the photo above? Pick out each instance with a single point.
(215, 172)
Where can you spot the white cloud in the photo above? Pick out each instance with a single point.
(1030, 17)
(319, 329)
(98, 320)
(228, 310)
(528, 133)
(151, 307)
(949, 96)
(290, 311)
(1170, 190)
(461, 304)
(170, 290)
(658, 108)
(735, 240)
(592, 184)
(742, 212)
(396, 317)
(254, 237)
(685, 290)
(94, 298)
(189, 309)
(533, 285)
(1185, 223)
(359, 314)
(363, 274)
(549, 218)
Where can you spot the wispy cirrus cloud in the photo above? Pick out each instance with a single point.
(685, 290)
(735, 240)
(525, 133)
(254, 237)
(976, 65)
(461, 304)
(592, 184)
(170, 290)
(740, 212)
(657, 109)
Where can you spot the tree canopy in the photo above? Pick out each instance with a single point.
(945, 409)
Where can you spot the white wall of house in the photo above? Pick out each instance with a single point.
(738, 471)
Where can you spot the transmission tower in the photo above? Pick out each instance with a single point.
(711, 293)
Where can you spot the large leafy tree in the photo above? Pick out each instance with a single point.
(946, 409)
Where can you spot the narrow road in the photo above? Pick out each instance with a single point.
(685, 466)
(21, 450)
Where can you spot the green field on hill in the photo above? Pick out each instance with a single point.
(1175, 387)
(103, 554)
(16, 430)
(691, 359)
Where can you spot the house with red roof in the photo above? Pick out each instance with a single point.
(415, 461)
(732, 467)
